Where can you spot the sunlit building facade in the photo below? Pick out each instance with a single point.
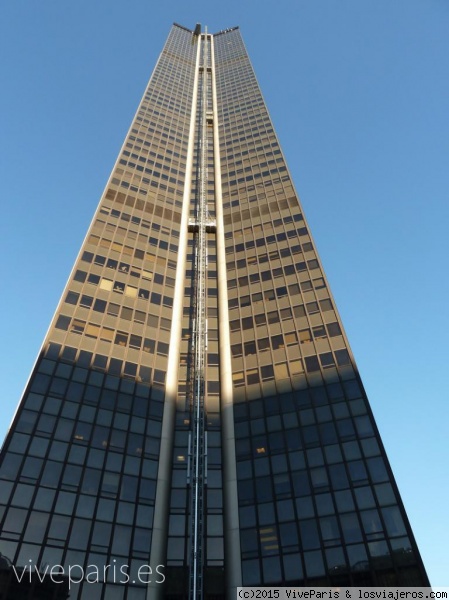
(195, 420)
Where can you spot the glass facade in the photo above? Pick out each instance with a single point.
(317, 500)
(153, 470)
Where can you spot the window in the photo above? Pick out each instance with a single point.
(247, 323)
(245, 301)
(86, 301)
(63, 323)
(306, 285)
(107, 334)
(296, 367)
(72, 298)
(327, 360)
(126, 313)
(252, 376)
(312, 307)
(312, 363)
(131, 291)
(92, 330)
(149, 345)
(277, 342)
(326, 304)
(212, 359)
(238, 379)
(267, 372)
(93, 279)
(281, 291)
(99, 260)
(87, 257)
(121, 338)
(319, 332)
(260, 319)
(139, 316)
(280, 371)
(155, 298)
(291, 338)
(333, 329)
(135, 341)
(273, 317)
(80, 276)
(342, 357)
(77, 326)
(162, 348)
(305, 336)
(106, 284)
(100, 305)
(113, 309)
(299, 311)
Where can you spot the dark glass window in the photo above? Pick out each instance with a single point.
(80, 276)
(312, 363)
(72, 298)
(333, 329)
(63, 322)
(342, 357)
(351, 528)
(100, 305)
(309, 535)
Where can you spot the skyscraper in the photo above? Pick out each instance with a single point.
(195, 420)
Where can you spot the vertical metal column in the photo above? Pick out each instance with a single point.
(233, 560)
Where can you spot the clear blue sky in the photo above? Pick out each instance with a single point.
(359, 94)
